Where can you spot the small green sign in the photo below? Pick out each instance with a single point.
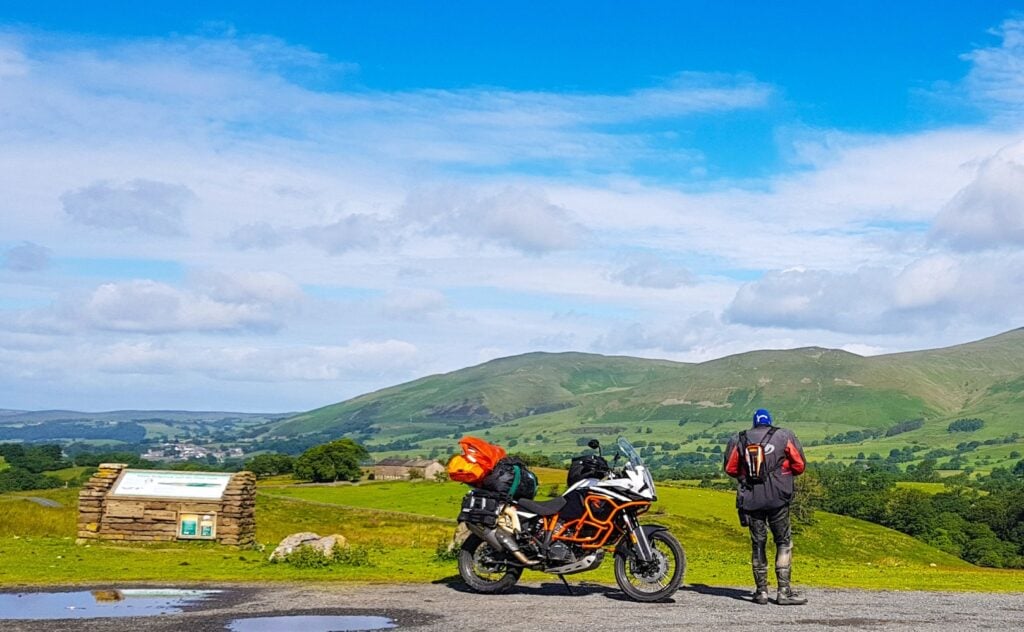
(188, 527)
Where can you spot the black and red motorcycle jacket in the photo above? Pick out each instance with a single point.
(784, 459)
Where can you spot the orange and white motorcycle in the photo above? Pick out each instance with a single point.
(597, 514)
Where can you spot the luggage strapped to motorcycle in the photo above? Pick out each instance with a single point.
(481, 506)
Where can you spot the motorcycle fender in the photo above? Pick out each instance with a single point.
(622, 548)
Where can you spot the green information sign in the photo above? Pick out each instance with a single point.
(188, 527)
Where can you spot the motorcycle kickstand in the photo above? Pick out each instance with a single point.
(567, 586)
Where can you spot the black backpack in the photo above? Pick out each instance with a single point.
(512, 478)
(753, 456)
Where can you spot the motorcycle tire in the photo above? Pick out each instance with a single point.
(659, 579)
(481, 572)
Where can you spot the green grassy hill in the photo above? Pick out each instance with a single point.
(545, 401)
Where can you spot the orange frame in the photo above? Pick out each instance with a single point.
(604, 527)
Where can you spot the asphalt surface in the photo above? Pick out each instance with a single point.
(547, 606)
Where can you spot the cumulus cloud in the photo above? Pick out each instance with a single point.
(216, 302)
(356, 231)
(517, 218)
(934, 291)
(144, 206)
(697, 331)
(26, 257)
(653, 272)
(988, 212)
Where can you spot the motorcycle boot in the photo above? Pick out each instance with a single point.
(761, 585)
(786, 596)
(759, 560)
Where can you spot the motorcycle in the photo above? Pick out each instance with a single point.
(572, 533)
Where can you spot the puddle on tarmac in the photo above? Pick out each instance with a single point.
(310, 624)
(128, 602)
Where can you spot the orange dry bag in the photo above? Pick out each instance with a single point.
(461, 470)
(484, 454)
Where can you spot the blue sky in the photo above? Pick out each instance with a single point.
(264, 206)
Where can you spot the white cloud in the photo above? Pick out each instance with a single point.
(26, 257)
(653, 272)
(930, 293)
(988, 212)
(146, 206)
(515, 217)
(700, 330)
(356, 231)
(213, 302)
(996, 79)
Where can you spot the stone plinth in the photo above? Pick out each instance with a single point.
(103, 516)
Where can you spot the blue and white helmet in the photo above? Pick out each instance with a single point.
(762, 417)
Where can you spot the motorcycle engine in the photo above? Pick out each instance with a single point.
(559, 552)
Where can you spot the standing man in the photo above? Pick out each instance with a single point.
(764, 460)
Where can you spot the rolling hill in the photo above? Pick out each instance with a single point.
(547, 401)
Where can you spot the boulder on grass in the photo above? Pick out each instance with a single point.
(324, 544)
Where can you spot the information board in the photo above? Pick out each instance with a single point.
(165, 484)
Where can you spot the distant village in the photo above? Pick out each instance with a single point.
(389, 469)
(189, 451)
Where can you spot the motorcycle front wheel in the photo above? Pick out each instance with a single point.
(484, 569)
(654, 580)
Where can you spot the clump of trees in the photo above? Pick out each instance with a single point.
(965, 425)
(27, 465)
(264, 465)
(335, 461)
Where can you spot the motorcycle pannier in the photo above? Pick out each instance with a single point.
(481, 507)
(587, 466)
(512, 478)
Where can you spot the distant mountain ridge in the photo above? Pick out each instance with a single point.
(827, 389)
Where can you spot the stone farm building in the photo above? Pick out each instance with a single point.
(395, 469)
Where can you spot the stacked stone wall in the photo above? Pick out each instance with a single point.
(105, 517)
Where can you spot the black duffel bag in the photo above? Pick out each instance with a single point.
(511, 477)
(587, 466)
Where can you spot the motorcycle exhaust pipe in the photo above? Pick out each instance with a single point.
(510, 545)
(500, 540)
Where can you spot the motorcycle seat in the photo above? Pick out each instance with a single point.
(546, 508)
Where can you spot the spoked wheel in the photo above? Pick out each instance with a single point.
(654, 580)
(485, 570)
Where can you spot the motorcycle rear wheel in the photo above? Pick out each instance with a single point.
(485, 570)
(655, 580)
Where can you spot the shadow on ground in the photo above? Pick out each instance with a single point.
(719, 591)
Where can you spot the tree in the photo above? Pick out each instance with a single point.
(263, 465)
(923, 472)
(335, 461)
